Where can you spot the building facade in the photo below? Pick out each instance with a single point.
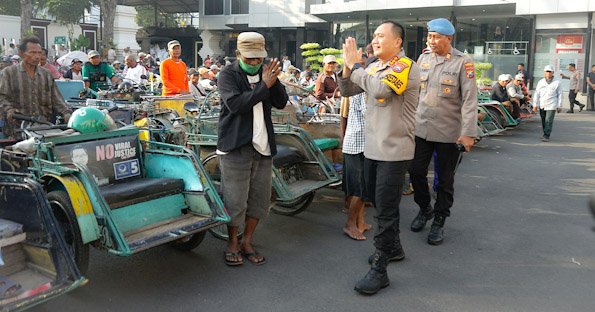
(502, 32)
(53, 33)
(285, 25)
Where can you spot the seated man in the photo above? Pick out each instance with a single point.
(76, 70)
(134, 70)
(204, 80)
(499, 94)
(515, 92)
(99, 73)
(195, 87)
(28, 89)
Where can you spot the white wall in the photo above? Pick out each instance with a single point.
(262, 13)
(554, 6)
(10, 30)
(561, 21)
(339, 6)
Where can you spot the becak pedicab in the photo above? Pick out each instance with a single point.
(110, 189)
(35, 263)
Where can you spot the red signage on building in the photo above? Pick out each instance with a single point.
(569, 44)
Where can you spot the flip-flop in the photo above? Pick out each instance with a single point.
(253, 255)
(237, 255)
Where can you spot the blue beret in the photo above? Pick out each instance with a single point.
(441, 26)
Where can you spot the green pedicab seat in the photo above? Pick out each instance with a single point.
(326, 143)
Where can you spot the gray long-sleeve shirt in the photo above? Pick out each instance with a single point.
(36, 97)
(389, 117)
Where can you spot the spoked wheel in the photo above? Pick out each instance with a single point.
(189, 242)
(293, 207)
(211, 165)
(69, 227)
(497, 116)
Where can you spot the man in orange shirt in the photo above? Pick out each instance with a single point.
(173, 71)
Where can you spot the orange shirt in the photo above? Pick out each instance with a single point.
(174, 77)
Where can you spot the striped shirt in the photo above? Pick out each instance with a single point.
(354, 140)
(37, 96)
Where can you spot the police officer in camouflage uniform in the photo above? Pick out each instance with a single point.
(446, 115)
(392, 87)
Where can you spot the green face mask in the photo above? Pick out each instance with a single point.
(250, 69)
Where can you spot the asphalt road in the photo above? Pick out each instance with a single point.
(519, 239)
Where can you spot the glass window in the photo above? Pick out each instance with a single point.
(214, 7)
(503, 42)
(239, 6)
(559, 50)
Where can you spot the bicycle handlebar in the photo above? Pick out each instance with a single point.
(18, 116)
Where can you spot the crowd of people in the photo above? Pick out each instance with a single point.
(400, 113)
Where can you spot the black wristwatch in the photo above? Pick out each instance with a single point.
(356, 66)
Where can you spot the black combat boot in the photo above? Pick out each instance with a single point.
(421, 219)
(436, 232)
(397, 254)
(377, 278)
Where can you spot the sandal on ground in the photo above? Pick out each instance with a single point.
(254, 257)
(233, 258)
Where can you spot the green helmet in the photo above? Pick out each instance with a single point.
(89, 120)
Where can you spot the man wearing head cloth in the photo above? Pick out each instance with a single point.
(446, 116)
(249, 90)
(500, 94)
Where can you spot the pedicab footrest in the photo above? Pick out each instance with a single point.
(119, 195)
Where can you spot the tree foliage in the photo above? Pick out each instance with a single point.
(68, 11)
(145, 17)
(10, 7)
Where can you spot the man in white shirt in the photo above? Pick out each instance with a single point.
(111, 55)
(204, 80)
(62, 51)
(548, 98)
(134, 70)
(11, 50)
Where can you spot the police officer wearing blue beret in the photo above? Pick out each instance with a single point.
(446, 115)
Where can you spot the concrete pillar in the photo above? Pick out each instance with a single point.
(125, 29)
(210, 43)
(299, 40)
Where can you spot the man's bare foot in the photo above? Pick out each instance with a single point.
(364, 227)
(353, 233)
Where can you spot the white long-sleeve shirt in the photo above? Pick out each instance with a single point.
(548, 96)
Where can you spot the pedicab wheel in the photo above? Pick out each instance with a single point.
(189, 242)
(69, 227)
(211, 165)
(293, 207)
(497, 116)
(220, 232)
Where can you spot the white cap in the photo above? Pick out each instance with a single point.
(548, 68)
(504, 77)
(329, 59)
(519, 77)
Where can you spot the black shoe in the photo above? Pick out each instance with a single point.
(421, 219)
(545, 139)
(436, 234)
(372, 282)
(570, 111)
(580, 107)
(395, 255)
